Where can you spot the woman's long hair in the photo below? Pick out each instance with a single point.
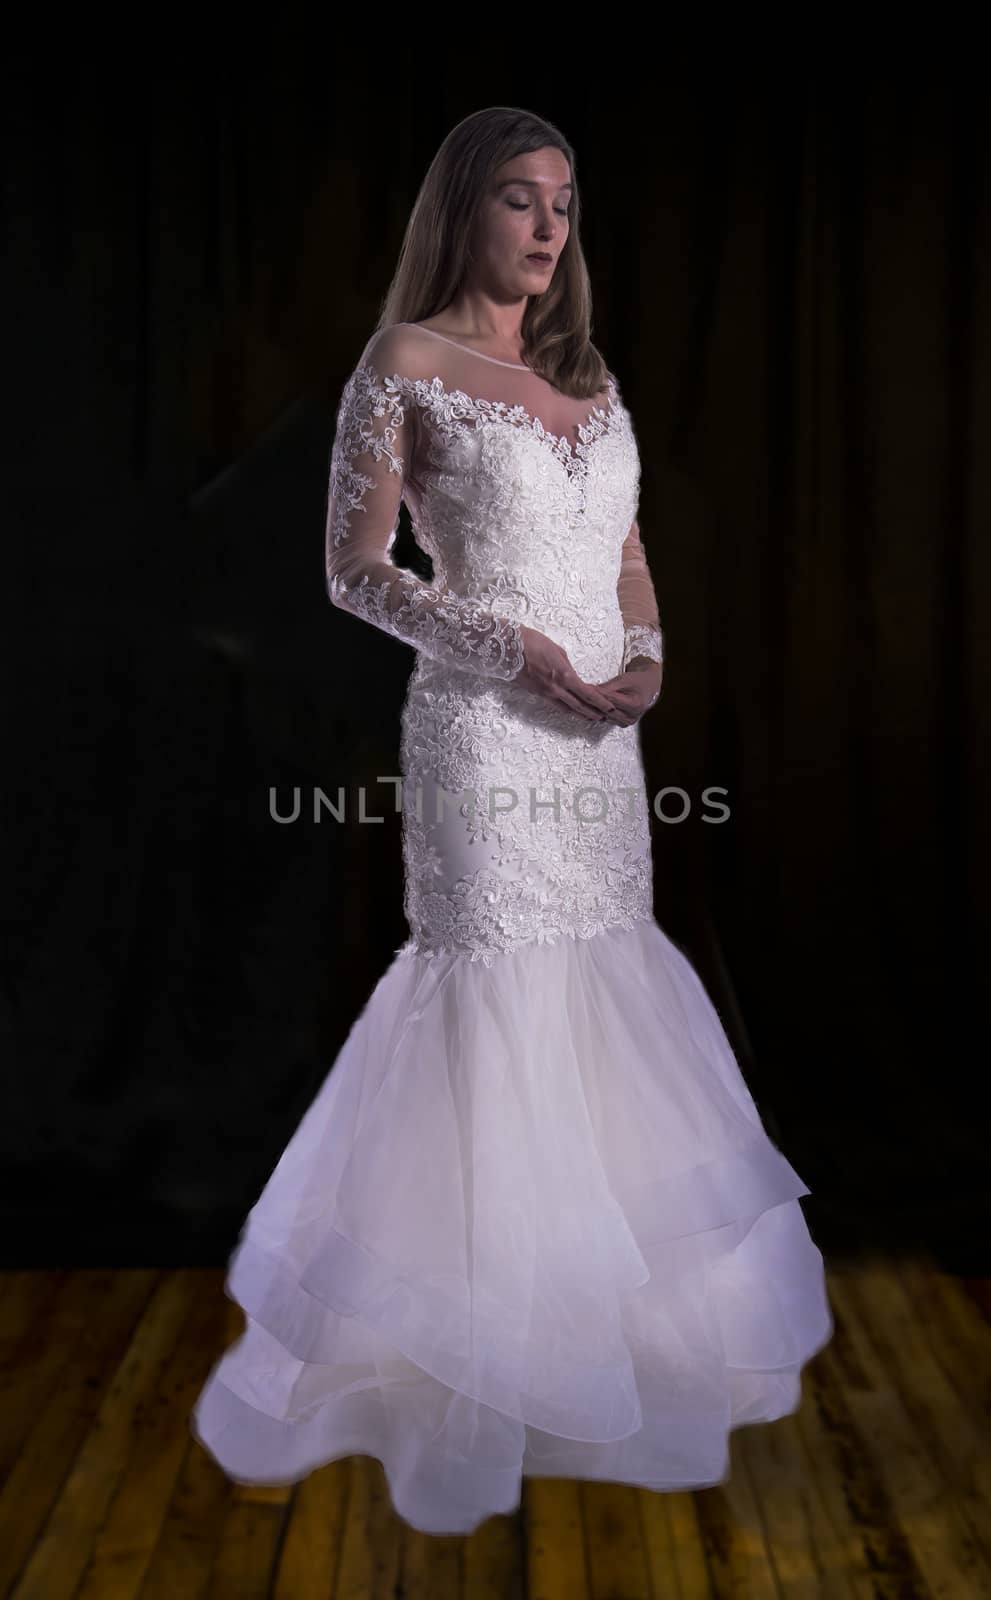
(436, 251)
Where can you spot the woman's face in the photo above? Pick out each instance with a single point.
(524, 211)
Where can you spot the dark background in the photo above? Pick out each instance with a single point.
(792, 279)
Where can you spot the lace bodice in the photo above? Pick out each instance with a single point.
(525, 499)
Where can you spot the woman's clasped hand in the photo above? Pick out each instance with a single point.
(622, 699)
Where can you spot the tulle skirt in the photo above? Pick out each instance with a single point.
(531, 1224)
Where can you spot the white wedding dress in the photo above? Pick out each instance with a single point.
(531, 1222)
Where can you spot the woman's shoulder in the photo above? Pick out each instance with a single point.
(408, 354)
(402, 350)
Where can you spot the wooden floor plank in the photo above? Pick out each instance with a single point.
(876, 1555)
(47, 1317)
(673, 1544)
(369, 1564)
(184, 1557)
(96, 1330)
(126, 1543)
(921, 1504)
(494, 1560)
(25, 1312)
(946, 1420)
(808, 1557)
(311, 1547)
(552, 1515)
(66, 1543)
(733, 1534)
(956, 1330)
(255, 1517)
(430, 1565)
(247, 1551)
(617, 1560)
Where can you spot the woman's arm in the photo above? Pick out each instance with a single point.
(643, 638)
(369, 462)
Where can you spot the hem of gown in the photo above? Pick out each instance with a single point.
(356, 1424)
(693, 1299)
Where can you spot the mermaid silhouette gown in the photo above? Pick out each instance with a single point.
(531, 1224)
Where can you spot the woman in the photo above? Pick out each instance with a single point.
(531, 1223)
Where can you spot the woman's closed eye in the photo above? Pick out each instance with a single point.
(515, 206)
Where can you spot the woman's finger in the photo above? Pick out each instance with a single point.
(592, 696)
(566, 698)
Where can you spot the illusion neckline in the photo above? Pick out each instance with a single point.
(574, 458)
(514, 365)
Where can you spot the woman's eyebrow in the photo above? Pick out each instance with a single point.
(533, 182)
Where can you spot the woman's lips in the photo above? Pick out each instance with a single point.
(540, 260)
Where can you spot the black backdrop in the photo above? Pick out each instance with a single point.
(793, 280)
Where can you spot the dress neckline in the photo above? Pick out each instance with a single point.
(460, 406)
(515, 365)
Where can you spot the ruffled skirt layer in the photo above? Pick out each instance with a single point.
(531, 1224)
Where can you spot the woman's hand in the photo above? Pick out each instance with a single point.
(634, 691)
(547, 671)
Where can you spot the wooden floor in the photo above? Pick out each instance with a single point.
(880, 1485)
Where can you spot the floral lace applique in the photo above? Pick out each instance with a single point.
(643, 640)
(446, 627)
(522, 529)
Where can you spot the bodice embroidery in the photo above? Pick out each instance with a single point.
(451, 407)
(523, 527)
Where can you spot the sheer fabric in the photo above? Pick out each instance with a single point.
(638, 602)
(374, 468)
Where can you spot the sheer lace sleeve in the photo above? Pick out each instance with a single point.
(642, 634)
(369, 463)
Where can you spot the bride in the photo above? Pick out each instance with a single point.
(531, 1224)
